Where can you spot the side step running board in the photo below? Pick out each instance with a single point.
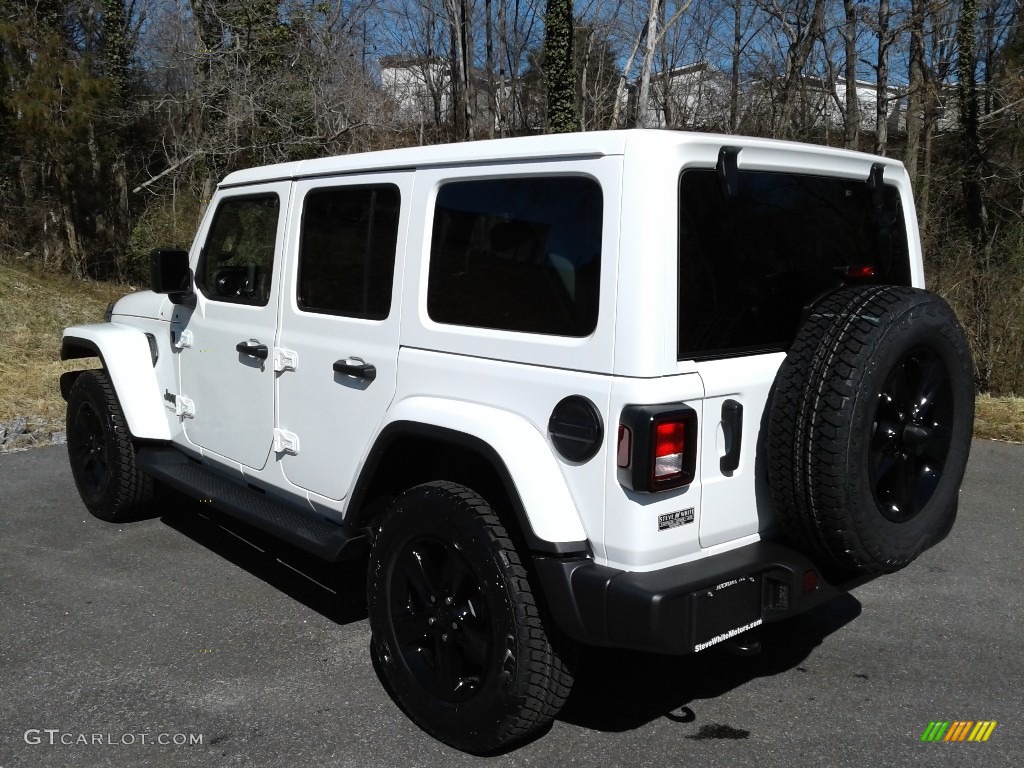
(301, 528)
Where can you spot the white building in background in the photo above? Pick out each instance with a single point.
(696, 96)
(421, 91)
(420, 87)
(867, 99)
(692, 96)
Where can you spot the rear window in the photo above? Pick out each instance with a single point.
(752, 264)
(517, 254)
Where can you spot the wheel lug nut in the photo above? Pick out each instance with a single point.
(431, 621)
(455, 625)
(444, 638)
(448, 601)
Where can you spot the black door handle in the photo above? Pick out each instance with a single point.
(253, 348)
(732, 425)
(364, 371)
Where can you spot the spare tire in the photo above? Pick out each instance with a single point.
(870, 427)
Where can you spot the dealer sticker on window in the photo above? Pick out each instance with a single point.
(675, 519)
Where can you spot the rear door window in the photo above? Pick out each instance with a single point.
(517, 254)
(347, 251)
(751, 265)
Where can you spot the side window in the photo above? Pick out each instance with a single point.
(347, 251)
(237, 264)
(517, 254)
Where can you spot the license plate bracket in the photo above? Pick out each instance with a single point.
(726, 610)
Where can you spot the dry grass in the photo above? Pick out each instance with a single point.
(1000, 418)
(34, 309)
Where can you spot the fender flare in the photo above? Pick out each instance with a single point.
(125, 354)
(515, 449)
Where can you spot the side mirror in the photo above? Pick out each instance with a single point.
(169, 273)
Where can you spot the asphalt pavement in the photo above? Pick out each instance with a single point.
(179, 641)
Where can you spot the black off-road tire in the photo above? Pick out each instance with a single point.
(870, 428)
(101, 452)
(457, 631)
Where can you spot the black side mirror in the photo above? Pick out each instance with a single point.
(169, 273)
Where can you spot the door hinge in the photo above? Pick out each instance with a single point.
(285, 359)
(286, 442)
(184, 340)
(184, 407)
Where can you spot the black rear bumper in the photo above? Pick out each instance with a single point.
(684, 608)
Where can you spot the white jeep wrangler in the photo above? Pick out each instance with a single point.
(638, 389)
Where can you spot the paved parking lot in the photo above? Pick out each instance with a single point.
(130, 645)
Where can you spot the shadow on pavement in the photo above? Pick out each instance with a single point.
(615, 690)
(337, 591)
(622, 690)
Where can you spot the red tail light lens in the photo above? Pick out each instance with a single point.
(669, 447)
(657, 447)
(864, 272)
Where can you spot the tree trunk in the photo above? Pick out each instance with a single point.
(734, 78)
(973, 190)
(851, 120)
(796, 59)
(882, 83)
(915, 88)
(972, 172)
(502, 99)
(492, 91)
(559, 77)
(460, 20)
(468, 87)
(620, 91)
(643, 98)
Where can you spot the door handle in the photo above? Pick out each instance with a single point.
(253, 348)
(360, 370)
(732, 426)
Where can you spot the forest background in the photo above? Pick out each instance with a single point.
(119, 117)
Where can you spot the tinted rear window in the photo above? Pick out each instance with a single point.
(750, 266)
(521, 254)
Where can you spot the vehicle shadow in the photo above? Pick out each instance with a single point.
(647, 686)
(337, 591)
(643, 687)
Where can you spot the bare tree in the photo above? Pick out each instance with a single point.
(915, 87)
(460, 24)
(800, 24)
(654, 32)
(886, 36)
(851, 116)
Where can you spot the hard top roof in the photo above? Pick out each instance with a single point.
(560, 146)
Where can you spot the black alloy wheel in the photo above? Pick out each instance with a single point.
(912, 434)
(457, 633)
(440, 619)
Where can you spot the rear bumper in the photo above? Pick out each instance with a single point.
(685, 608)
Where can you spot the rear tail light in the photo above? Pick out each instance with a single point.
(657, 447)
(861, 272)
(669, 447)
